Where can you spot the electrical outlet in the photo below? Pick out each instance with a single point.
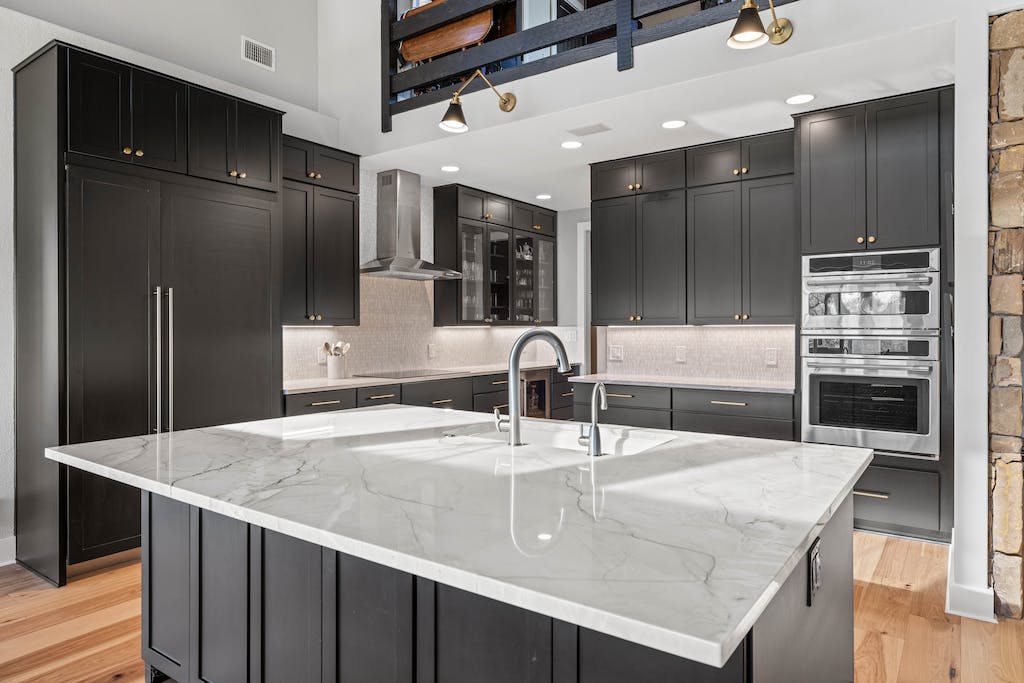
(615, 352)
(681, 354)
(771, 357)
(570, 336)
(432, 351)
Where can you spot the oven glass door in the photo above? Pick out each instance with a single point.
(910, 302)
(892, 405)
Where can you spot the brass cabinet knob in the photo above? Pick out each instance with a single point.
(872, 239)
(537, 320)
(319, 176)
(319, 317)
(138, 152)
(537, 227)
(746, 316)
(312, 317)
(311, 174)
(736, 317)
(233, 173)
(638, 186)
(241, 175)
(735, 171)
(860, 240)
(629, 187)
(488, 320)
(744, 170)
(127, 151)
(639, 317)
(632, 318)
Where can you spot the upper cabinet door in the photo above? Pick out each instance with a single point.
(474, 302)
(832, 194)
(661, 258)
(612, 179)
(545, 293)
(524, 277)
(714, 227)
(159, 122)
(211, 135)
(903, 172)
(768, 155)
(336, 169)
(472, 204)
(498, 210)
(335, 257)
(297, 159)
(770, 270)
(258, 146)
(613, 261)
(296, 253)
(99, 103)
(659, 172)
(533, 219)
(711, 164)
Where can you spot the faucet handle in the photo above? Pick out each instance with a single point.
(501, 422)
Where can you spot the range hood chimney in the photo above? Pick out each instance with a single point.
(398, 232)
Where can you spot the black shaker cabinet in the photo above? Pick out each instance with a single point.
(119, 112)
(760, 156)
(309, 162)
(638, 252)
(869, 175)
(650, 173)
(742, 252)
(134, 285)
(233, 141)
(320, 276)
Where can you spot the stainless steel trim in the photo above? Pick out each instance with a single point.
(934, 263)
(911, 456)
(158, 293)
(864, 279)
(869, 366)
(170, 359)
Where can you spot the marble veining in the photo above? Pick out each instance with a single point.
(679, 547)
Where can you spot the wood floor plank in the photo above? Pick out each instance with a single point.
(931, 651)
(876, 657)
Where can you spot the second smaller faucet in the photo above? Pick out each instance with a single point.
(591, 436)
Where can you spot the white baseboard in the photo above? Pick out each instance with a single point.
(967, 601)
(6, 550)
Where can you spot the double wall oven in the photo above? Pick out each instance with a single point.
(870, 351)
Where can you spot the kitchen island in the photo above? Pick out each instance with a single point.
(412, 544)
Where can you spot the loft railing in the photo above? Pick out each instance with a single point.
(613, 26)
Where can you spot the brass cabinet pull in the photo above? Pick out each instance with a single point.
(872, 239)
(381, 397)
(499, 382)
(746, 316)
(139, 152)
(567, 394)
(736, 317)
(735, 171)
(610, 395)
(242, 175)
(860, 240)
(319, 176)
(442, 401)
(316, 404)
(501, 405)
(311, 174)
(871, 494)
(127, 151)
(728, 403)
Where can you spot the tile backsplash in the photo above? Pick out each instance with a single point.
(397, 332)
(714, 353)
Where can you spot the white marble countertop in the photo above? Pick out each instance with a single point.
(680, 547)
(689, 383)
(305, 386)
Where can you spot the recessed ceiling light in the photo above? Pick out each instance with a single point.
(543, 536)
(675, 123)
(543, 196)
(572, 144)
(450, 169)
(800, 99)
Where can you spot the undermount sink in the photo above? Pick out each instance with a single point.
(565, 435)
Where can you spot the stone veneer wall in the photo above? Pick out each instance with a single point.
(1006, 307)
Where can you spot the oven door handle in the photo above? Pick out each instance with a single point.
(884, 368)
(894, 279)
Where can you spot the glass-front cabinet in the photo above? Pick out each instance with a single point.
(544, 281)
(525, 281)
(534, 279)
(499, 252)
(473, 266)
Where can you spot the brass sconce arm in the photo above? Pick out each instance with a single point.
(506, 101)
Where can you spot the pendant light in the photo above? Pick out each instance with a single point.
(454, 121)
(749, 32)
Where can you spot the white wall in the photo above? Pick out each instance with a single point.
(568, 269)
(20, 36)
(204, 36)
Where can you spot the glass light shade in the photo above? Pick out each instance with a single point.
(453, 120)
(749, 30)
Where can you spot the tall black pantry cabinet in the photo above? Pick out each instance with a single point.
(134, 289)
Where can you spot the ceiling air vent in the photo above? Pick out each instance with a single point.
(588, 130)
(259, 54)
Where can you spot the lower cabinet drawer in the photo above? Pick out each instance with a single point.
(456, 394)
(757, 427)
(733, 403)
(372, 396)
(627, 417)
(319, 402)
(890, 495)
(489, 383)
(628, 396)
(562, 395)
(486, 403)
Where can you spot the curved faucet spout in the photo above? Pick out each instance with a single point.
(514, 399)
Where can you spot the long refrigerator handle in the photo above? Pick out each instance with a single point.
(158, 293)
(170, 359)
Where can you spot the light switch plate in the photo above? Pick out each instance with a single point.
(681, 354)
(771, 357)
(615, 352)
(570, 336)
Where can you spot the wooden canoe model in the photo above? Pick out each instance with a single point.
(457, 35)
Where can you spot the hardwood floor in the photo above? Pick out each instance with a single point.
(88, 632)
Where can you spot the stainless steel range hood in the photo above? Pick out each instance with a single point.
(398, 232)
